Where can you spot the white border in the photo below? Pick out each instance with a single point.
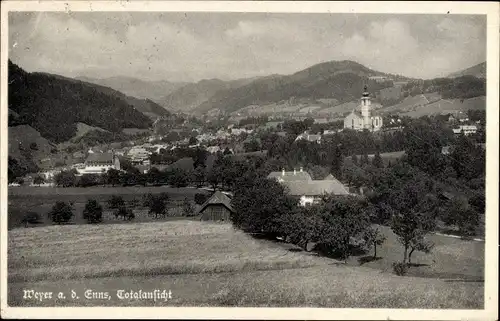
(491, 9)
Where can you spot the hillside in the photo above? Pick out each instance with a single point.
(153, 90)
(191, 96)
(478, 71)
(29, 149)
(340, 80)
(53, 105)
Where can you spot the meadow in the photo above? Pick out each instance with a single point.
(41, 199)
(212, 264)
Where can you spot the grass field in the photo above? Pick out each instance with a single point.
(41, 199)
(210, 264)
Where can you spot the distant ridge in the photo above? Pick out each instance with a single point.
(478, 71)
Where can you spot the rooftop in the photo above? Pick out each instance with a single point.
(316, 187)
(217, 198)
(100, 158)
(300, 176)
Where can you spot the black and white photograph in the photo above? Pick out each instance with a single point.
(208, 155)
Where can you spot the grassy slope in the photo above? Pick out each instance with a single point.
(211, 264)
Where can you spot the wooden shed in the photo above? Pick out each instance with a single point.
(216, 208)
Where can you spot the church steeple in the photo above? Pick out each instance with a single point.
(365, 107)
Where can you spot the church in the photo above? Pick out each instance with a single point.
(363, 120)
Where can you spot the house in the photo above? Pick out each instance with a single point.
(309, 137)
(138, 154)
(99, 163)
(310, 191)
(465, 129)
(216, 208)
(294, 175)
(363, 120)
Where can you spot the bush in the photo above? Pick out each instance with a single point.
(400, 268)
(92, 212)
(61, 213)
(200, 198)
(31, 218)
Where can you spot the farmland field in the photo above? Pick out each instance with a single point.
(211, 264)
(41, 199)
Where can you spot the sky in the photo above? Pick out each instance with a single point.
(197, 45)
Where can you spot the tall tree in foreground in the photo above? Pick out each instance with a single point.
(92, 212)
(61, 213)
(373, 238)
(344, 220)
(411, 219)
(259, 204)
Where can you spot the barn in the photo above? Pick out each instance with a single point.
(216, 208)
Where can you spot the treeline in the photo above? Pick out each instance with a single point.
(53, 105)
(450, 88)
(96, 137)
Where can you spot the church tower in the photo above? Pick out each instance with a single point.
(365, 108)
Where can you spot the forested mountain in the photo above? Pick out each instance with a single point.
(153, 90)
(459, 88)
(478, 71)
(342, 80)
(53, 105)
(191, 96)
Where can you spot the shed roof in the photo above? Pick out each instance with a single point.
(217, 198)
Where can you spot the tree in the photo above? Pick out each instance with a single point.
(344, 221)
(200, 198)
(410, 206)
(65, 179)
(38, 180)
(458, 212)
(88, 180)
(419, 243)
(199, 176)
(124, 212)
(61, 213)
(31, 218)
(158, 205)
(377, 160)
(113, 177)
(116, 201)
(92, 212)
(259, 203)
(373, 237)
(337, 162)
(192, 141)
(301, 226)
(178, 177)
(187, 207)
(364, 159)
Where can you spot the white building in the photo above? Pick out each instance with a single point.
(309, 191)
(309, 137)
(138, 154)
(99, 163)
(363, 120)
(465, 129)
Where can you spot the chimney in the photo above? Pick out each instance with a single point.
(283, 172)
(301, 169)
(294, 171)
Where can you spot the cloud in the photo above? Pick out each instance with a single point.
(179, 47)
